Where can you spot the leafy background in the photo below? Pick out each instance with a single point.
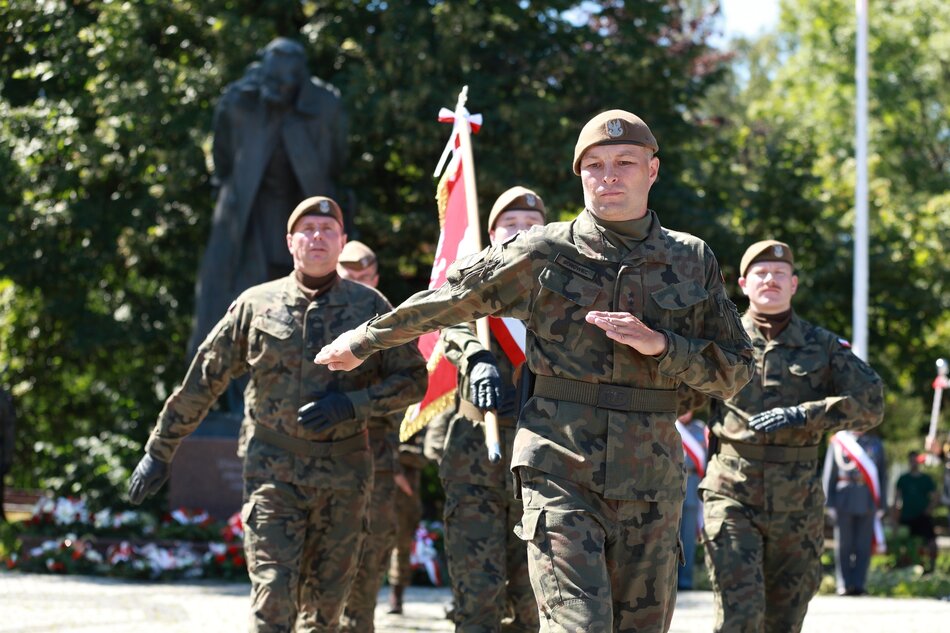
(105, 196)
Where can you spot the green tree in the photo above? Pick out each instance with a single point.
(791, 120)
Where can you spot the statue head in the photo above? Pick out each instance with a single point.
(283, 70)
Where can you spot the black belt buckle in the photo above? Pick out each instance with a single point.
(613, 397)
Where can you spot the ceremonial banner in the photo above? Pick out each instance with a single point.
(458, 238)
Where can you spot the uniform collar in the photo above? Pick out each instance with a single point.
(792, 336)
(589, 237)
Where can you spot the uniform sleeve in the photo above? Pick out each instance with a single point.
(719, 362)
(460, 343)
(403, 381)
(219, 358)
(856, 400)
(497, 280)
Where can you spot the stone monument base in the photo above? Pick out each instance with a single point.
(207, 472)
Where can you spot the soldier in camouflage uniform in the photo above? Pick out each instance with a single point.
(488, 563)
(408, 504)
(762, 494)
(307, 469)
(358, 263)
(620, 311)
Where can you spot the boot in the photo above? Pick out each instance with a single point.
(395, 599)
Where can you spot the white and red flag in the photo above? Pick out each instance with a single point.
(459, 238)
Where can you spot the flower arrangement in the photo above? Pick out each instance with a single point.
(428, 551)
(66, 555)
(185, 543)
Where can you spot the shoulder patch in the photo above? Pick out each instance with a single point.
(574, 267)
(844, 343)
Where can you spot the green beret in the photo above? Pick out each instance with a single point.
(766, 251)
(516, 199)
(317, 205)
(613, 127)
(356, 254)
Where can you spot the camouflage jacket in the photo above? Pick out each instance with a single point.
(465, 458)
(384, 442)
(805, 365)
(273, 332)
(550, 277)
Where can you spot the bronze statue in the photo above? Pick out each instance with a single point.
(279, 137)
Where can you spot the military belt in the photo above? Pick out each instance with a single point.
(473, 413)
(606, 396)
(306, 448)
(772, 453)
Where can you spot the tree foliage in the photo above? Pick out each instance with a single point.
(790, 117)
(105, 116)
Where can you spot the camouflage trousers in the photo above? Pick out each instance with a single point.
(488, 564)
(361, 604)
(302, 546)
(764, 566)
(599, 565)
(408, 515)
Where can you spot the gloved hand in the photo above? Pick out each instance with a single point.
(327, 410)
(147, 478)
(777, 418)
(484, 381)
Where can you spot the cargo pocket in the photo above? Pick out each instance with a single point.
(250, 540)
(560, 310)
(544, 581)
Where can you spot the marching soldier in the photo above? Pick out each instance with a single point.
(488, 564)
(307, 468)
(620, 311)
(762, 495)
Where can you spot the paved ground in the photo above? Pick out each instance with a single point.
(75, 604)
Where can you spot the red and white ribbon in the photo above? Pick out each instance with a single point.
(845, 442)
(695, 451)
(511, 335)
(474, 122)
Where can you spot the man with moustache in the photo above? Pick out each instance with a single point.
(762, 493)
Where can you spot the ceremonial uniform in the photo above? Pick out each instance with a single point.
(488, 563)
(305, 492)
(762, 496)
(849, 495)
(597, 439)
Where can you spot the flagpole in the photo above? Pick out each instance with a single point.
(492, 439)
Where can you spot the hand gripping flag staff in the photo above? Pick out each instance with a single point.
(460, 236)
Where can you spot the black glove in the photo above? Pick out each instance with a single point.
(484, 381)
(147, 478)
(777, 418)
(326, 411)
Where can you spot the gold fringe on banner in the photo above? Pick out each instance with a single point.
(437, 407)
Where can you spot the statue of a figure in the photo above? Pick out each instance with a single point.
(279, 137)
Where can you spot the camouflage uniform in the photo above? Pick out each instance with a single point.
(408, 512)
(600, 461)
(361, 603)
(488, 564)
(762, 494)
(305, 493)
